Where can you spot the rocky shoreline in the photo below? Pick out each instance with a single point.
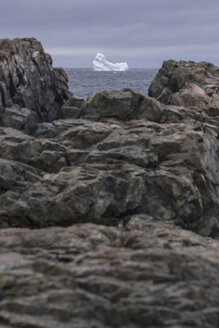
(125, 190)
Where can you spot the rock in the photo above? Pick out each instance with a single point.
(104, 171)
(121, 105)
(116, 154)
(20, 118)
(187, 84)
(147, 275)
(29, 85)
(123, 178)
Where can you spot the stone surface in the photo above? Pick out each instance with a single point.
(31, 89)
(110, 166)
(125, 177)
(121, 105)
(188, 84)
(147, 275)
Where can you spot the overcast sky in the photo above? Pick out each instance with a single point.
(141, 32)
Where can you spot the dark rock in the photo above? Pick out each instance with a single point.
(20, 118)
(131, 174)
(121, 105)
(148, 275)
(187, 84)
(103, 172)
(28, 80)
(122, 154)
(102, 166)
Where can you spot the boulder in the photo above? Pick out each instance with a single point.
(194, 85)
(29, 84)
(123, 105)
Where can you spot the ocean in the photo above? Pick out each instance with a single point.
(85, 81)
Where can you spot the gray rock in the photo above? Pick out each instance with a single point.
(28, 80)
(121, 105)
(20, 118)
(190, 84)
(121, 154)
(147, 275)
(104, 171)
(130, 174)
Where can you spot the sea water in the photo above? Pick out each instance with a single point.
(85, 81)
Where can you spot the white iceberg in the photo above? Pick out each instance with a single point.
(101, 64)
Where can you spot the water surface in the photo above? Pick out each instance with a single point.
(84, 81)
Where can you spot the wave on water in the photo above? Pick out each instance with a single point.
(85, 81)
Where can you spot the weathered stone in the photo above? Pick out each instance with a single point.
(20, 118)
(28, 80)
(124, 105)
(110, 170)
(147, 275)
(187, 84)
(164, 165)
(131, 174)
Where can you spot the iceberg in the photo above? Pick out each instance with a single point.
(101, 64)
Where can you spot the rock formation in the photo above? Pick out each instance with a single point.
(120, 154)
(31, 90)
(190, 84)
(148, 275)
(125, 177)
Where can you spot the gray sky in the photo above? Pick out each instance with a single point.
(141, 32)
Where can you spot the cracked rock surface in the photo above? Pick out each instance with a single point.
(125, 190)
(103, 167)
(150, 274)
